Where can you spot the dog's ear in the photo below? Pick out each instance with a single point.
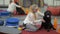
(47, 12)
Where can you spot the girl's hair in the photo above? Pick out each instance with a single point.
(34, 6)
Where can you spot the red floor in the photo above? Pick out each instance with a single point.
(40, 32)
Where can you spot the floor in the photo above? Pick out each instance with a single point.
(40, 32)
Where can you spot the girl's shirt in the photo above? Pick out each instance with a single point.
(31, 18)
(12, 7)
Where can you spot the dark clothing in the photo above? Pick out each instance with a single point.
(19, 10)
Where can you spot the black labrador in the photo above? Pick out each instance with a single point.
(47, 24)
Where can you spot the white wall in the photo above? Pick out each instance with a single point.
(4, 2)
(48, 2)
(52, 2)
(1, 2)
(7, 2)
(57, 3)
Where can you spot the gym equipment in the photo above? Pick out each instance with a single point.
(53, 6)
(12, 22)
(4, 13)
(54, 10)
(55, 23)
(58, 29)
(19, 28)
(1, 22)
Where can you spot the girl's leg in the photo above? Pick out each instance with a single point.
(31, 27)
(42, 25)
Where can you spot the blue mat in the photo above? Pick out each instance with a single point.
(1, 23)
(4, 13)
(12, 22)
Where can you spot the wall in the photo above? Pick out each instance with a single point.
(4, 2)
(22, 2)
(52, 2)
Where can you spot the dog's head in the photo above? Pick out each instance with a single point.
(47, 14)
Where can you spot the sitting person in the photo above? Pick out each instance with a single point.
(32, 19)
(47, 24)
(19, 10)
(12, 7)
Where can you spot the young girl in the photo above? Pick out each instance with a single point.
(33, 18)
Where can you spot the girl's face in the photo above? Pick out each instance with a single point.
(35, 10)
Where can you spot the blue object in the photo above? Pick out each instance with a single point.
(12, 22)
(1, 23)
(0, 13)
(5, 13)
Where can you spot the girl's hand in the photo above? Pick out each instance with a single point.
(34, 22)
(43, 20)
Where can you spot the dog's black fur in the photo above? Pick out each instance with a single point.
(47, 24)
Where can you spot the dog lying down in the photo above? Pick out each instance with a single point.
(47, 24)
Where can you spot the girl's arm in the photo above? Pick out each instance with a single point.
(17, 5)
(38, 20)
(40, 13)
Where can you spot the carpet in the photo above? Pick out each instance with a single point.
(40, 32)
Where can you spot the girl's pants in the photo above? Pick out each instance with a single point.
(30, 27)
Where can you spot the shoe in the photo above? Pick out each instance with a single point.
(24, 28)
(39, 28)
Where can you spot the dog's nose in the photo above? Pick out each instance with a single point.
(48, 16)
